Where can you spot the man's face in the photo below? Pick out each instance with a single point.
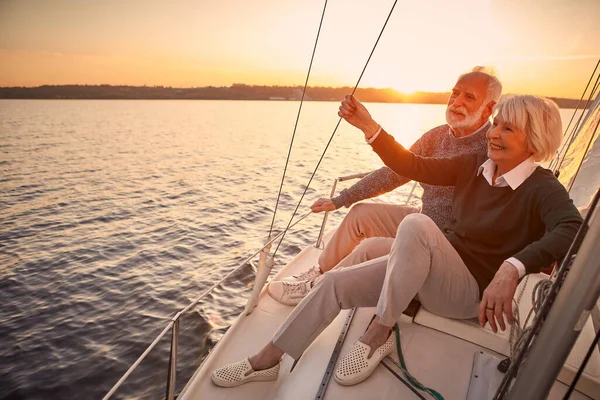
(466, 103)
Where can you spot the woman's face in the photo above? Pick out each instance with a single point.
(506, 144)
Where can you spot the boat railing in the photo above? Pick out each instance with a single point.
(173, 325)
(319, 243)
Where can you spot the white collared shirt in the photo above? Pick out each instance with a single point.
(513, 179)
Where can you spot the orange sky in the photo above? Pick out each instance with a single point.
(545, 47)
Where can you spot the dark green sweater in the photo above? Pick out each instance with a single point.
(535, 223)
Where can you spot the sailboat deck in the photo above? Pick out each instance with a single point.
(437, 359)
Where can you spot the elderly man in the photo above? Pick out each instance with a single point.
(368, 231)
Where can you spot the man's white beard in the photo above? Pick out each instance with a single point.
(468, 122)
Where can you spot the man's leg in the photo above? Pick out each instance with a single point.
(367, 249)
(365, 233)
(364, 220)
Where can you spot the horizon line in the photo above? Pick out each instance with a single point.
(243, 85)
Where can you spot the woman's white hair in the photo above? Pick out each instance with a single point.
(538, 117)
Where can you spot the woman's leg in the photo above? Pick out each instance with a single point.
(423, 262)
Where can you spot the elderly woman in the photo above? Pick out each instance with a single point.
(511, 217)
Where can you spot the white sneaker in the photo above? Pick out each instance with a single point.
(288, 293)
(308, 275)
(356, 366)
(238, 373)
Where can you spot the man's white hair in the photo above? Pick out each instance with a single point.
(494, 88)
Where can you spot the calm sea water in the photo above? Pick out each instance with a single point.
(116, 214)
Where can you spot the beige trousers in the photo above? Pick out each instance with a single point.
(367, 232)
(422, 262)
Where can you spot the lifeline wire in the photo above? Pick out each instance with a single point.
(571, 137)
(581, 162)
(573, 116)
(297, 118)
(337, 125)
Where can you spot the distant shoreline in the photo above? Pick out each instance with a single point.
(233, 92)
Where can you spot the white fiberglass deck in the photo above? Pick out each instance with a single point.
(439, 360)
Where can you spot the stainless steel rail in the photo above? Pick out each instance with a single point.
(319, 243)
(174, 326)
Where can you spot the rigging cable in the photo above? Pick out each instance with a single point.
(297, 118)
(337, 125)
(557, 159)
(583, 365)
(571, 137)
(581, 118)
(584, 154)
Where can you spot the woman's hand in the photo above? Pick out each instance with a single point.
(498, 296)
(357, 115)
(323, 204)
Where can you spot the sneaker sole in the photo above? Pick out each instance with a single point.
(227, 384)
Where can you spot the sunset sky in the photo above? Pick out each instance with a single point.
(545, 47)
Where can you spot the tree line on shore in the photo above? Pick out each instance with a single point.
(233, 92)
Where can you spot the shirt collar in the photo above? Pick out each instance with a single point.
(513, 178)
(483, 127)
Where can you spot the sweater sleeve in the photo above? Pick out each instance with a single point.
(378, 182)
(433, 171)
(562, 220)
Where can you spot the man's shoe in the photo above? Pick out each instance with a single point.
(355, 367)
(241, 372)
(308, 275)
(288, 293)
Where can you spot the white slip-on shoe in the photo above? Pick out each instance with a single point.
(309, 275)
(355, 367)
(241, 372)
(288, 293)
